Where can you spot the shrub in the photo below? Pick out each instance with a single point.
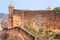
(57, 36)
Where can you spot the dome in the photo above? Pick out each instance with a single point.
(11, 5)
(49, 8)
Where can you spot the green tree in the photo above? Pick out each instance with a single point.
(57, 36)
(56, 9)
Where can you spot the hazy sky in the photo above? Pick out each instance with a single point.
(28, 4)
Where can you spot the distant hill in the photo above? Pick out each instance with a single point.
(4, 20)
(1, 15)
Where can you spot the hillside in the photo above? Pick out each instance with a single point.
(4, 20)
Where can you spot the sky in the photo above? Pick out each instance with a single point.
(28, 4)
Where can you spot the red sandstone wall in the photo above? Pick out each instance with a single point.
(52, 18)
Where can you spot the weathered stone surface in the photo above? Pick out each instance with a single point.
(24, 35)
(49, 18)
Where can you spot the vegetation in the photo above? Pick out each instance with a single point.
(29, 27)
(57, 36)
(40, 31)
(57, 9)
(46, 34)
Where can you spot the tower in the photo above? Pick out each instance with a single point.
(10, 16)
(48, 8)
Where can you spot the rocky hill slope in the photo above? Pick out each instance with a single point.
(4, 20)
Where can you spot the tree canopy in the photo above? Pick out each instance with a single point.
(56, 9)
